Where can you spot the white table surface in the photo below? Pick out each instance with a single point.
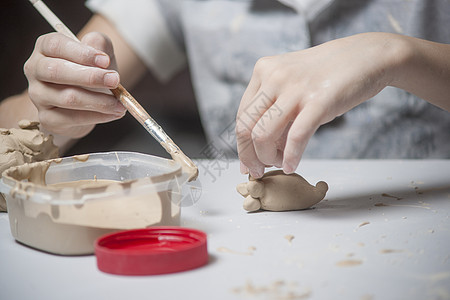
(404, 250)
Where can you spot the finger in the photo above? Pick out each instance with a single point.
(248, 158)
(261, 69)
(270, 129)
(248, 114)
(243, 168)
(58, 45)
(61, 71)
(250, 92)
(61, 121)
(99, 41)
(245, 124)
(243, 133)
(75, 98)
(303, 127)
(281, 144)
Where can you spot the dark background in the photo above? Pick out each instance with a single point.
(21, 24)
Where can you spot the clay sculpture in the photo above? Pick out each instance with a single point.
(276, 191)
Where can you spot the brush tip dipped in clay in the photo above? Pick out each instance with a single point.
(187, 165)
(277, 191)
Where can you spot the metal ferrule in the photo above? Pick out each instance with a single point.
(156, 131)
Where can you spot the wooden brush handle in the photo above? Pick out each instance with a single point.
(135, 109)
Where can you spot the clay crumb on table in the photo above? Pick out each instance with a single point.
(289, 238)
(349, 263)
(249, 251)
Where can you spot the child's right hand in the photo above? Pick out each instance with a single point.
(69, 83)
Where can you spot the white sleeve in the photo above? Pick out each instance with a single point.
(143, 26)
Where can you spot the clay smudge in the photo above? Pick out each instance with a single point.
(363, 224)
(414, 206)
(82, 157)
(250, 251)
(349, 263)
(289, 238)
(277, 290)
(391, 196)
(439, 276)
(394, 24)
(401, 205)
(387, 251)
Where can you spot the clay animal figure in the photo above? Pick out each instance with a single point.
(276, 191)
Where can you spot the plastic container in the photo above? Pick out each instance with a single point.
(102, 193)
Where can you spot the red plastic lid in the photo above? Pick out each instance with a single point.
(151, 251)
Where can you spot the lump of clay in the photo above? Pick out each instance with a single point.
(276, 191)
(24, 145)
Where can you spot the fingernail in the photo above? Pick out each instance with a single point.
(257, 173)
(102, 60)
(111, 79)
(287, 169)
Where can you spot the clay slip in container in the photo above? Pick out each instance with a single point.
(97, 194)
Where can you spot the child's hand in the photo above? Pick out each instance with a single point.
(62, 74)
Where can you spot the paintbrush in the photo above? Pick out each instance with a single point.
(135, 109)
